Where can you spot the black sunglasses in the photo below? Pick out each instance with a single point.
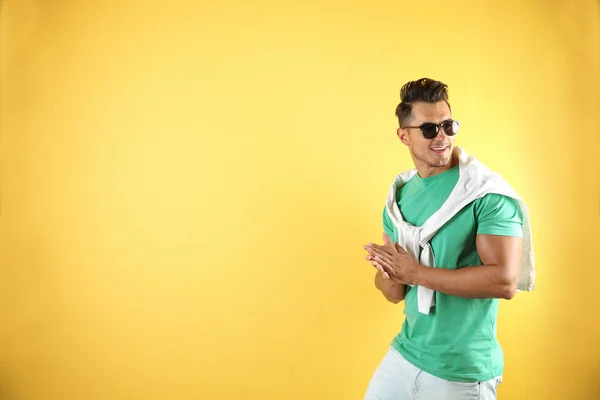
(430, 130)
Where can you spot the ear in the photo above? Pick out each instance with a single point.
(402, 135)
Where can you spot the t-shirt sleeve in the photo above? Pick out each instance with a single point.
(388, 225)
(498, 215)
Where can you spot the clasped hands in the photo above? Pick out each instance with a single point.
(392, 261)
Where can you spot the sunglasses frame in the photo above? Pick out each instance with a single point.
(437, 127)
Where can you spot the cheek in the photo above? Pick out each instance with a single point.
(413, 141)
(423, 144)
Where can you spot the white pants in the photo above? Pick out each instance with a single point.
(397, 379)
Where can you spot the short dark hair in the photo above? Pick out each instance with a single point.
(424, 90)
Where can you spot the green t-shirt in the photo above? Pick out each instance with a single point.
(457, 340)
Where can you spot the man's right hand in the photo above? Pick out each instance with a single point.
(386, 242)
(392, 290)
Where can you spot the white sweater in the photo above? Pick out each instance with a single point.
(475, 181)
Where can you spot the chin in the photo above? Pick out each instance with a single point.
(440, 163)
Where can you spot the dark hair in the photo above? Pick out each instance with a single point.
(425, 90)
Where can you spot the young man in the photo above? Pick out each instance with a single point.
(453, 245)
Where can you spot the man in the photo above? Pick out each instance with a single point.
(447, 347)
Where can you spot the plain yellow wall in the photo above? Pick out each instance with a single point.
(186, 189)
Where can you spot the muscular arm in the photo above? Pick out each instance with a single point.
(498, 277)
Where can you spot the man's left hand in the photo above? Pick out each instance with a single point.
(397, 262)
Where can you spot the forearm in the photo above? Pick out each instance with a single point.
(393, 291)
(483, 281)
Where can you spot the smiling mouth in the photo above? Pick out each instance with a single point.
(439, 149)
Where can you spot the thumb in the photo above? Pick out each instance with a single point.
(399, 248)
(386, 238)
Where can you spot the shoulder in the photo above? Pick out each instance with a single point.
(495, 200)
(497, 214)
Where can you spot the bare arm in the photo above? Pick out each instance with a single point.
(393, 291)
(498, 277)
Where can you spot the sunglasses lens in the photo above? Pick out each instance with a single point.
(451, 128)
(429, 131)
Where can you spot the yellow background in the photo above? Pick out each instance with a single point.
(186, 188)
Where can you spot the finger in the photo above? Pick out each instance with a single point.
(377, 265)
(375, 251)
(374, 246)
(370, 248)
(387, 265)
(380, 250)
(383, 256)
(386, 271)
(381, 271)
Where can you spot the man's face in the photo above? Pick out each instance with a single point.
(430, 156)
